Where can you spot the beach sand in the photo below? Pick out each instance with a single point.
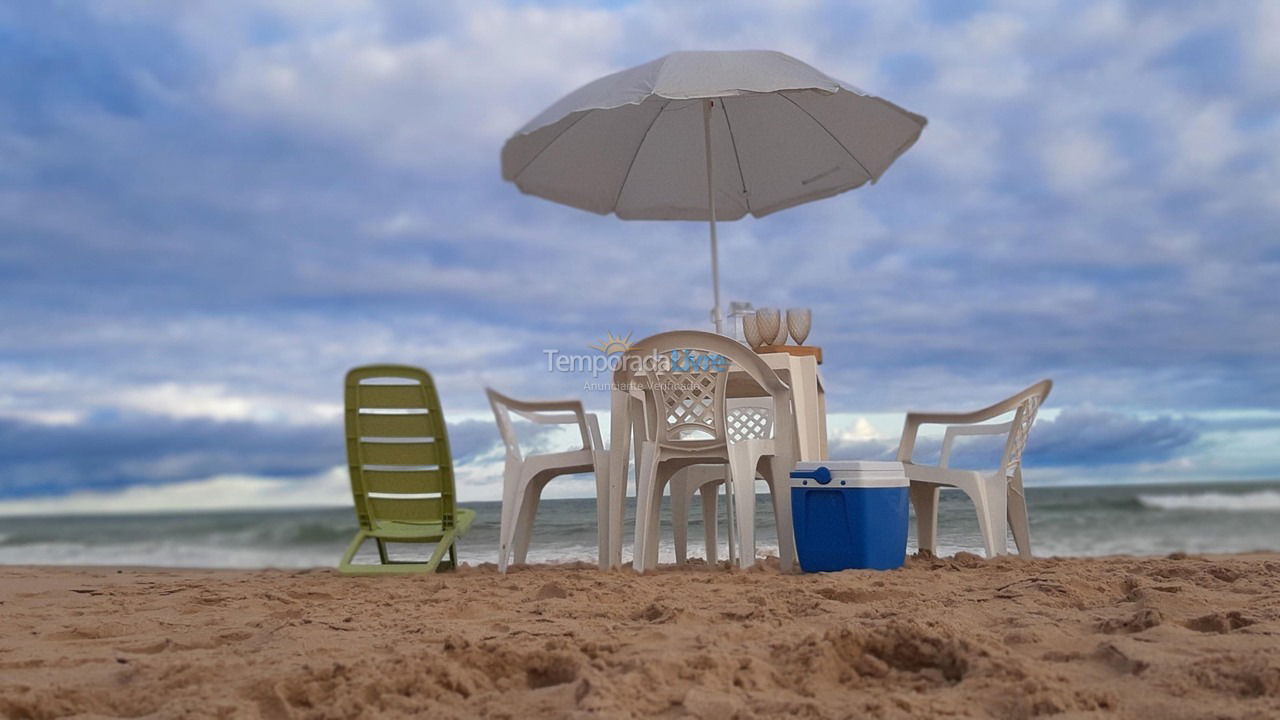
(1176, 637)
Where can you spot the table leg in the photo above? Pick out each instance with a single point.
(619, 451)
(810, 423)
(823, 452)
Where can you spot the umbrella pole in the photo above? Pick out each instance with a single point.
(711, 203)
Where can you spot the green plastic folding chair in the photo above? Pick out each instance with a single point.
(401, 468)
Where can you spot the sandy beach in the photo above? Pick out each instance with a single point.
(1175, 637)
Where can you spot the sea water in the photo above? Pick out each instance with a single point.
(1097, 520)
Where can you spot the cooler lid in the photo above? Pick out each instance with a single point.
(849, 474)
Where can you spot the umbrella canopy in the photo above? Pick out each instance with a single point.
(712, 135)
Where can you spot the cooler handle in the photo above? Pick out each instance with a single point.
(820, 474)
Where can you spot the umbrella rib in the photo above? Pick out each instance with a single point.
(832, 136)
(546, 147)
(733, 142)
(636, 154)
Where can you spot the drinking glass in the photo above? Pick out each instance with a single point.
(799, 322)
(751, 330)
(769, 322)
(781, 337)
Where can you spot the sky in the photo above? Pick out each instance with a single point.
(209, 211)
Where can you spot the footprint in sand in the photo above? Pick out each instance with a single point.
(1221, 623)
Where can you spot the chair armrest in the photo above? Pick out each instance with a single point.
(911, 426)
(535, 406)
(593, 426)
(548, 412)
(944, 459)
(957, 421)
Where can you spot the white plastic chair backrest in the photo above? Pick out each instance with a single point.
(502, 415)
(684, 374)
(1029, 402)
(749, 422)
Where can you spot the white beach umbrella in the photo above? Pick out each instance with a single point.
(710, 135)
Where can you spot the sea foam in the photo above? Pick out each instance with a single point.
(1260, 501)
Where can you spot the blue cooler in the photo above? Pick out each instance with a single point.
(849, 514)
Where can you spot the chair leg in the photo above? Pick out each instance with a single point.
(447, 544)
(645, 477)
(710, 493)
(523, 534)
(382, 552)
(924, 498)
(743, 477)
(998, 499)
(991, 516)
(511, 477)
(602, 509)
(778, 478)
(730, 514)
(1018, 520)
(654, 533)
(681, 492)
(344, 565)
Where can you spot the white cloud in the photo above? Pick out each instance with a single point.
(861, 429)
(448, 96)
(1207, 139)
(185, 402)
(968, 152)
(1262, 34)
(223, 492)
(983, 59)
(43, 417)
(1077, 161)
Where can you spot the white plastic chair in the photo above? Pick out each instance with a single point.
(683, 376)
(524, 477)
(747, 420)
(998, 495)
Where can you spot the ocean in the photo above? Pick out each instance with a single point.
(1094, 520)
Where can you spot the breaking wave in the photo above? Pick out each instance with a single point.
(1260, 501)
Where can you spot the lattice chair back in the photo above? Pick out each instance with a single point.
(684, 374)
(1028, 403)
(687, 385)
(750, 422)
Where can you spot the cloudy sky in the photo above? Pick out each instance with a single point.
(210, 210)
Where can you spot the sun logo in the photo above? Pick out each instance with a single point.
(612, 345)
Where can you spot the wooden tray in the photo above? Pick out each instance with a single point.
(800, 350)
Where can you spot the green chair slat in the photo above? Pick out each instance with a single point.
(389, 397)
(382, 453)
(396, 426)
(416, 510)
(404, 481)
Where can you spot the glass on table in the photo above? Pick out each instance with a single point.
(769, 322)
(751, 330)
(799, 323)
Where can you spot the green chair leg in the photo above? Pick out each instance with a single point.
(344, 565)
(448, 543)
